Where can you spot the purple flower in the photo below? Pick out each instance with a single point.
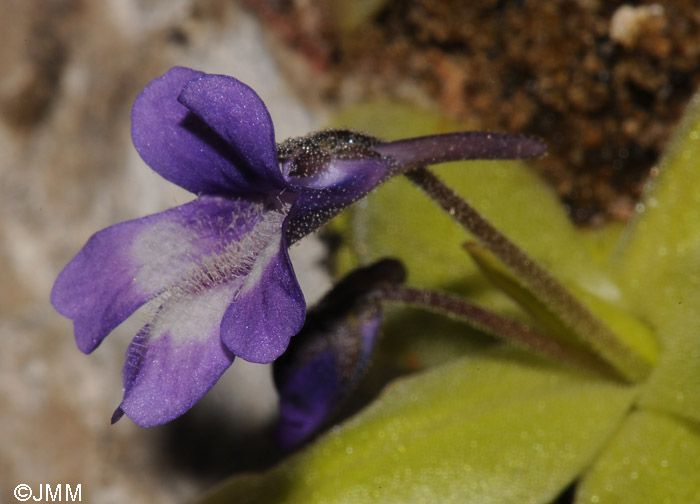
(328, 357)
(215, 271)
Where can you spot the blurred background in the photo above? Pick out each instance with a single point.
(603, 83)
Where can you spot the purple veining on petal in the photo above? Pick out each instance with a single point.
(238, 115)
(124, 266)
(461, 146)
(268, 310)
(174, 360)
(181, 147)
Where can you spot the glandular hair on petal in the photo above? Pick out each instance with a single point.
(260, 264)
(195, 304)
(235, 260)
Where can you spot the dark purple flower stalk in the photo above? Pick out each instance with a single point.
(216, 270)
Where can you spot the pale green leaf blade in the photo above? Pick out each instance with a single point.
(502, 428)
(414, 339)
(653, 458)
(659, 261)
(668, 228)
(674, 386)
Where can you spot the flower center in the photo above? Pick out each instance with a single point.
(236, 259)
(203, 253)
(206, 271)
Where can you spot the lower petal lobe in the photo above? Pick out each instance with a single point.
(174, 361)
(268, 310)
(126, 265)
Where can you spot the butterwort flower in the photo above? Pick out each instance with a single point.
(326, 360)
(215, 271)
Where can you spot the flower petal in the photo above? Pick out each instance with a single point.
(174, 361)
(307, 399)
(326, 194)
(122, 267)
(311, 391)
(268, 310)
(180, 147)
(328, 357)
(238, 115)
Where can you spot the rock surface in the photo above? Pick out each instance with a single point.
(71, 70)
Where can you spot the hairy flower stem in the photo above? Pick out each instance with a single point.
(587, 327)
(494, 324)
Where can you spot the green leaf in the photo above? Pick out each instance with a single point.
(500, 276)
(653, 458)
(502, 428)
(601, 242)
(667, 230)
(399, 220)
(415, 339)
(658, 260)
(674, 387)
(641, 351)
(629, 330)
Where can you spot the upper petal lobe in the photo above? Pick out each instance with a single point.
(238, 115)
(182, 148)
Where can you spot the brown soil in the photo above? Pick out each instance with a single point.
(603, 83)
